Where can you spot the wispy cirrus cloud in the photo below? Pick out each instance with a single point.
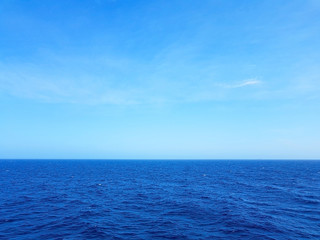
(173, 75)
(248, 82)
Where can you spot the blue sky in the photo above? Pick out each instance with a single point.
(160, 79)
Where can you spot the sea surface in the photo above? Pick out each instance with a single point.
(86, 199)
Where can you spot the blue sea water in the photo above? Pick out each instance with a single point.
(83, 199)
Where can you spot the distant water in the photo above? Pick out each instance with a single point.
(159, 199)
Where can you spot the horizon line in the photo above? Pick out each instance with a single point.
(166, 159)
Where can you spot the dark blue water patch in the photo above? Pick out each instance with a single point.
(86, 199)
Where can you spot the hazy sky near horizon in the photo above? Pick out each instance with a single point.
(160, 79)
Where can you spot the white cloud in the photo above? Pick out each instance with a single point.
(173, 75)
(248, 82)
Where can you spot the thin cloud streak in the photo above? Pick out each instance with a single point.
(245, 83)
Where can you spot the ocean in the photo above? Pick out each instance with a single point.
(139, 199)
